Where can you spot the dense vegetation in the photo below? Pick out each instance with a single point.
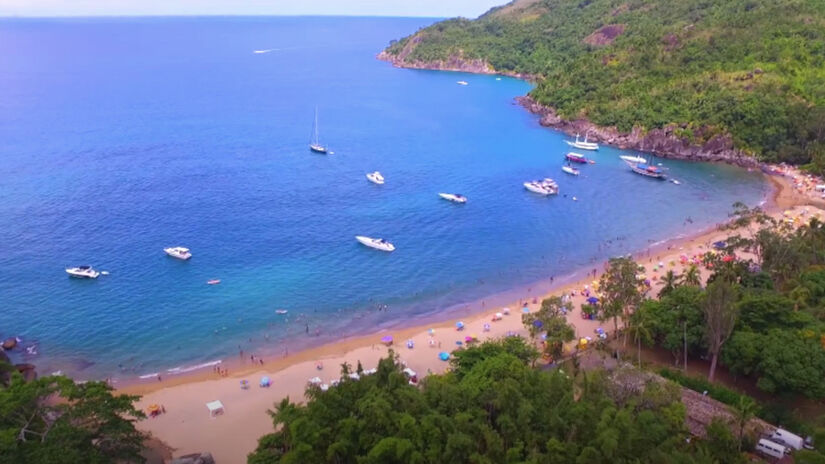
(491, 408)
(754, 69)
(53, 420)
(776, 306)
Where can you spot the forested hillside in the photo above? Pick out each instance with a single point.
(753, 69)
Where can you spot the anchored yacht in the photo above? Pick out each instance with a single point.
(376, 178)
(377, 243)
(454, 197)
(583, 144)
(178, 252)
(82, 272)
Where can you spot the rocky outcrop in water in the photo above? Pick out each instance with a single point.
(666, 142)
(455, 62)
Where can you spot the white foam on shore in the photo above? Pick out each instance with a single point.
(183, 370)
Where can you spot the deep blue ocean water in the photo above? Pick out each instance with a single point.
(119, 137)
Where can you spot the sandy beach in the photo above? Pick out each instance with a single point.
(187, 427)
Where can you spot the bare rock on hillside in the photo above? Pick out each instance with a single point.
(605, 35)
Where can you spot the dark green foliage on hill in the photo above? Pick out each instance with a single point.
(53, 420)
(493, 408)
(752, 68)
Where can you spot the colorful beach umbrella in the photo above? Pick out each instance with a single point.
(444, 356)
(459, 325)
(386, 339)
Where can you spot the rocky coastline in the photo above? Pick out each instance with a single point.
(665, 142)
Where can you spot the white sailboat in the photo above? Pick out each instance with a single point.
(570, 170)
(633, 159)
(315, 144)
(583, 145)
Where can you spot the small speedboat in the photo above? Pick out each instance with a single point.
(633, 159)
(213, 281)
(281, 311)
(376, 178)
(583, 145)
(454, 197)
(570, 170)
(82, 272)
(462, 83)
(377, 243)
(576, 157)
(178, 252)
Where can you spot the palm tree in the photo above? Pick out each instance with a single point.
(743, 411)
(285, 413)
(640, 328)
(670, 281)
(692, 277)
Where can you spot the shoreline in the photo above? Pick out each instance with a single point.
(781, 196)
(187, 427)
(403, 328)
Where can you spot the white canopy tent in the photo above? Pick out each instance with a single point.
(215, 408)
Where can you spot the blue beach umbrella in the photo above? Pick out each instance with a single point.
(537, 324)
(592, 300)
(459, 325)
(265, 382)
(444, 356)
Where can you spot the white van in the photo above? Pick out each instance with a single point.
(770, 448)
(786, 438)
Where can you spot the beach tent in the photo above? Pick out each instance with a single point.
(215, 408)
(265, 382)
(444, 356)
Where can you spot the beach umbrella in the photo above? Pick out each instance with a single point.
(459, 325)
(386, 339)
(265, 382)
(592, 300)
(431, 332)
(153, 408)
(410, 344)
(459, 342)
(486, 327)
(506, 310)
(537, 324)
(525, 310)
(444, 356)
(468, 339)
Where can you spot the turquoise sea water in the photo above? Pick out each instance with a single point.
(119, 137)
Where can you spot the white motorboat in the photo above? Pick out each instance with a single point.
(570, 170)
(82, 272)
(178, 252)
(462, 83)
(454, 197)
(375, 178)
(633, 159)
(544, 187)
(583, 144)
(377, 243)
